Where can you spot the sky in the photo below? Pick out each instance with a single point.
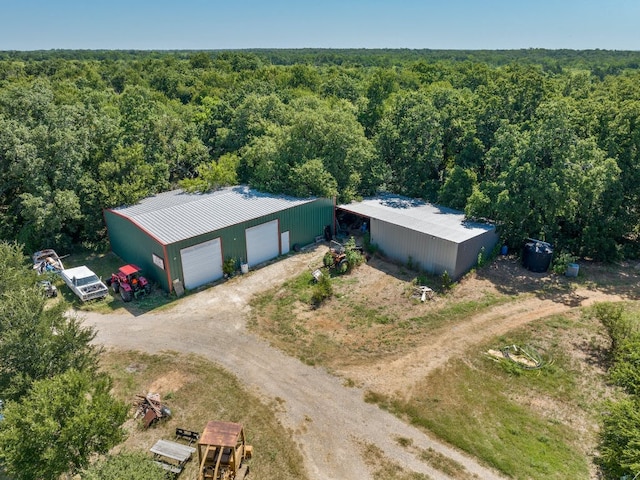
(239, 24)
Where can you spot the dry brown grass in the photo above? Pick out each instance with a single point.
(197, 391)
(385, 469)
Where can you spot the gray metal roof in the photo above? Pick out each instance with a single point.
(419, 216)
(177, 215)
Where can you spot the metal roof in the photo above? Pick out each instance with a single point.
(419, 216)
(177, 215)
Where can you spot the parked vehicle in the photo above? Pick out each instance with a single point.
(48, 288)
(129, 282)
(47, 261)
(84, 283)
(336, 257)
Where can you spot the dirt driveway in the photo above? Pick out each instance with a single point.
(325, 417)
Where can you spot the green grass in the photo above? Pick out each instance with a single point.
(457, 311)
(473, 405)
(486, 424)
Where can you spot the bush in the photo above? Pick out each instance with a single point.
(327, 260)
(447, 281)
(625, 372)
(620, 439)
(482, 258)
(322, 290)
(129, 465)
(618, 327)
(229, 266)
(353, 255)
(561, 262)
(369, 247)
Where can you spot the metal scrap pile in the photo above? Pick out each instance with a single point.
(150, 408)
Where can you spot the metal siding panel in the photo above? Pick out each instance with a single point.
(427, 252)
(469, 250)
(234, 242)
(307, 221)
(134, 245)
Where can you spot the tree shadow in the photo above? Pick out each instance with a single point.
(509, 277)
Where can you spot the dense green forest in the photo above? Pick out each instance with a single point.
(544, 143)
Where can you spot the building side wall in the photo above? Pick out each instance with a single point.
(134, 245)
(303, 222)
(468, 251)
(307, 221)
(426, 252)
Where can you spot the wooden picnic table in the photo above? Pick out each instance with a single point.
(172, 450)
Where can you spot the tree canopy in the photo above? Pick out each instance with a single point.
(58, 409)
(543, 143)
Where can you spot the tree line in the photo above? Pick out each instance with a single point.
(57, 410)
(543, 143)
(619, 449)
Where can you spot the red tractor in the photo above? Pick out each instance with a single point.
(128, 281)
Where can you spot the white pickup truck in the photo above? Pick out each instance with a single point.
(84, 283)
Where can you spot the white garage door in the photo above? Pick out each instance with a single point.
(201, 263)
(262, 243)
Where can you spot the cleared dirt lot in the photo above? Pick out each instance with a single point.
(326, 417)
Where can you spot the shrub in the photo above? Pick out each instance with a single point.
(617, 325)
(353, 255)
(322, 290)
(620, 439)
(482, 259)
(369, 247)
(561, 262)
(447, 281)
(229, 266)
(625, 372)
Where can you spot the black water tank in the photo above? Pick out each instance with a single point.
(536, 256)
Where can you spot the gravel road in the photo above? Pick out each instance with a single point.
(325, 416)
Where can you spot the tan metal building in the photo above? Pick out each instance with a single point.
(433, 238)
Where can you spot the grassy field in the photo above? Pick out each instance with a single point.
(197, 391)
(351, 329)
(528, 424)
(515, 420)
(538, 424)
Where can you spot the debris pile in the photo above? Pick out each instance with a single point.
(423, 293)
(525, 357)
(150, 408)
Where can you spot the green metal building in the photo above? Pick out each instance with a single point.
(183, 238)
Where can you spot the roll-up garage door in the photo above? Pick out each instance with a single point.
(201, 263)
(262, 243)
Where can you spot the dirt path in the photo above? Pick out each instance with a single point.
(398, 376)
(325, 417)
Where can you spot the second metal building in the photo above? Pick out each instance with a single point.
(432, 238)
